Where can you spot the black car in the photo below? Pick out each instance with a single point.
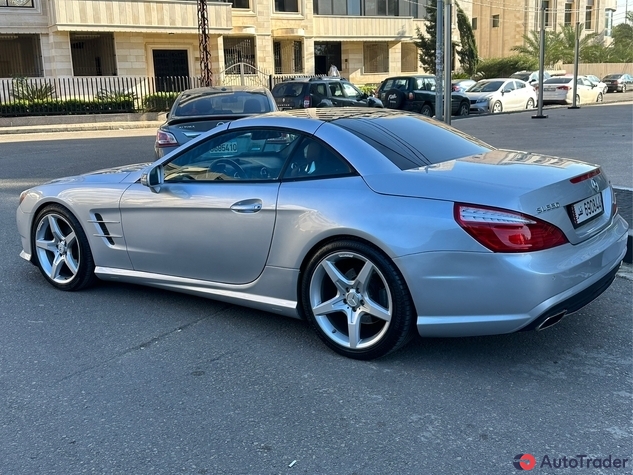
(417, 94)
(197, 110)
(302, 93)
(618, 82)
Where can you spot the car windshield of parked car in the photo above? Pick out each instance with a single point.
(486, 86)
(230, 103)
(410, 141)
(557, 80)
(291, 89)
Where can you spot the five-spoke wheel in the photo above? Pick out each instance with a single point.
(356, 300)
(61, 249)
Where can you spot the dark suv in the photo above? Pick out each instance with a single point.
(417, 94)
(301, 93)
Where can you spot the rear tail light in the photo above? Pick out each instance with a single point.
(585, 176)
(410, 96)
(307, 102)
(165, 139)
(614, 203)
(564, 88)
(506, 231)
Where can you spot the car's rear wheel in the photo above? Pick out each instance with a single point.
(356, 300)
(623, 87)
(530, 104)
(577, 99)
(464, 109)
(497, 107)
(61, 249)
(426, 110)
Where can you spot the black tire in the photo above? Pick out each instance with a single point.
(577, 99)
(599, 98)
(348, 285)
(61, 250)
(530, 104)
(464, 109)
(394, 99)
(426, 110)
(497, 107)
(623, 87)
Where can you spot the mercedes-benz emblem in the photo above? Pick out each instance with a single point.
(595, 186)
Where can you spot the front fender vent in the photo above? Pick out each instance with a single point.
(102, 226)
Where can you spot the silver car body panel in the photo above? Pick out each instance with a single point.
(255, 258)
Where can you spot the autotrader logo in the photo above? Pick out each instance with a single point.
(524, 462)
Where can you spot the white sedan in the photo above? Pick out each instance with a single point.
(500, 95)
(561, 90)
(596, 80)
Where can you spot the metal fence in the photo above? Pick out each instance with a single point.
(111, 94)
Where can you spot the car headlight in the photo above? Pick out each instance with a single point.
(483, 99)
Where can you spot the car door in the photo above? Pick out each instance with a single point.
(511, 97)
(353, 95)
(213, 216)
(337, 96)
(586, 92)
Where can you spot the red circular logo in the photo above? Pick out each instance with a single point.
(524, 462)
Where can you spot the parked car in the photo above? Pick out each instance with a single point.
(501, 95)
(560, 89)
(461, 85)
(369, 223)
(618, 82)
(198, 110)
(417, 94)
(530, 77)
(302, 93)
(596, 80)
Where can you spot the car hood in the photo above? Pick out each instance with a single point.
(106, 175)
(479, 95)
(534, 184)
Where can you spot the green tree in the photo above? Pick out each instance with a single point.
(622, 46)
(467, 52)
(531, 43)
(567, 42)
(426, 43)
(504, 67)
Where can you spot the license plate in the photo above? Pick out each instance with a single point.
(587, 209)
(224, 148)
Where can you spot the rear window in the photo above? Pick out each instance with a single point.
(229, 103)
(613, 76)
(290, 89)
(412, 142)
(557, 80)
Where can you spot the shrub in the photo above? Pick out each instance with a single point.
(504, 67)
(159, 102)
(23, 89)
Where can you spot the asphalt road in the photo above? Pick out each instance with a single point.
(122, 379)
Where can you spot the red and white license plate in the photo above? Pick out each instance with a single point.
(587, 209)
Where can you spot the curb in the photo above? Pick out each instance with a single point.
(36, 129)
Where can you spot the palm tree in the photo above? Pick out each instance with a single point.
(531, 44)
(568, 42)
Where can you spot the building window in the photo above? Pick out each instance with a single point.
(495, 21)
(547, 14)
(474, 23)
(240, 3)
(93, 54)
(608, 22)
(288, 56)
(568, 14)
(375, 58)
(589, 17)
(409, 58)
(412, 8)
(17, 3)
(239, 50)
(20, 56)
(287, 6)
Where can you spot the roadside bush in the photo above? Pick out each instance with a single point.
(159, 102)
(23, 89)
(504, 67)
(65, 107)
(369, 89)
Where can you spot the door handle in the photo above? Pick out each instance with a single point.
(247, 206)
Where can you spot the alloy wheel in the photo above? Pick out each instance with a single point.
(57, 248)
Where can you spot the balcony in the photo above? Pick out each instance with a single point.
(148, 16)
(346, 28)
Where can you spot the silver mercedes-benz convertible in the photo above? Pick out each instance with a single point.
(369, 223)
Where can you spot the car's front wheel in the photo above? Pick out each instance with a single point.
(464, 109)
(426, 110)
(530, 104)
(623, 87)
(497, 107)
(61, 249)
(599, 98)
(356, 300)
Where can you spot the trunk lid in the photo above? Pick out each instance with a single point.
(549, 188)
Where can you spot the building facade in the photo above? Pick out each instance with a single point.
(366, 39)
(501, 24)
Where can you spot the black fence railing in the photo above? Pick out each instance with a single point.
(107, 94)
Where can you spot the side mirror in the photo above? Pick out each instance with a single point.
(505, 91)
(153, 179)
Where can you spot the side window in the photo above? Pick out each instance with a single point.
(245, 155)
(336, 89)
(351, 91)
(318, 89)
(509, 86)
(520, 85)
(388, 84)
(315, 159)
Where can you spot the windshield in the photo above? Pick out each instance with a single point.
(486, 86)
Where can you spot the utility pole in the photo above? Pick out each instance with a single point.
(439, 59)
(574, 104)
(541, 65)
(448, 61)
(206, 78)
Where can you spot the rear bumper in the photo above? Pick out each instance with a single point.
(470, 294)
